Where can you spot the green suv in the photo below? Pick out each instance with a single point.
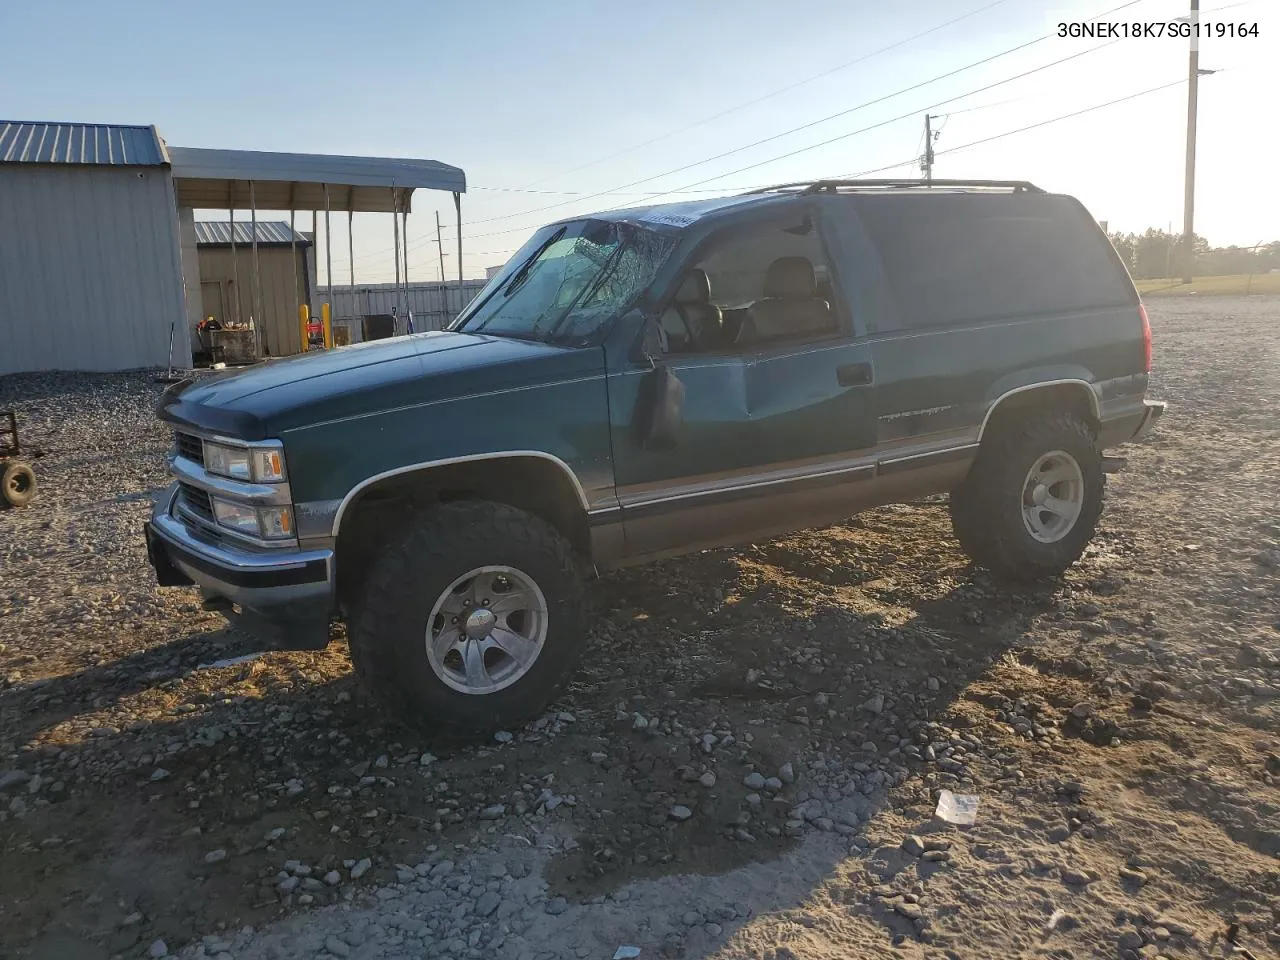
(648, 382)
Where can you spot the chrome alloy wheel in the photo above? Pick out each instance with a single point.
(1052, 496)
(487, 629)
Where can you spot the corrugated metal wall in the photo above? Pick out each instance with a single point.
(90, 277)
(433, 305)
(279, 320)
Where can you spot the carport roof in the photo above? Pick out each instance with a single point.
(220, 179)
(271, 233)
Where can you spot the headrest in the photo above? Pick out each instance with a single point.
(790, 278)
(694, 288)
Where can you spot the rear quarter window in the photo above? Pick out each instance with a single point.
(962, 258)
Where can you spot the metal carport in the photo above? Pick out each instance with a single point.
(249, 181)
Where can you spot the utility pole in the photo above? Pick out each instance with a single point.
(926, 162)
(1194, 73)
(440, 246)
(1189, 188)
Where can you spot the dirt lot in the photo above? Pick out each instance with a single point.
(1120, 728)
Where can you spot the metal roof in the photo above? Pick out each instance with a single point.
(218, 232)
(92, 144)
(218, 179)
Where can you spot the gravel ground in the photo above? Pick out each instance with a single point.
(747, 766)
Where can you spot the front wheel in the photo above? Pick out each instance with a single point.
(474, 620)
(1032, 500)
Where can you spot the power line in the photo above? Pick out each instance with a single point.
(803, 126)
(912, 161)
(1009, 133)
(844, 136)
(1023, 129)
(774, 93)
(812, 124)
(982, 106)
(769, 139)
(621, 189)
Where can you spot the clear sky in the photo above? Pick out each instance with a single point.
(582, 99)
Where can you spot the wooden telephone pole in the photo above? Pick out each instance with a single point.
(440, 246)
(926, 162)
(1189, 187)
(1194, 73)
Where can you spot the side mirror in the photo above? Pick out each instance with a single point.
(652, 345)
(659, 409)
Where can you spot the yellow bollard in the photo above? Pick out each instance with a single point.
(304, 318)
(328, 331)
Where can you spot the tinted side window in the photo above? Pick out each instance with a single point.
(956, 258)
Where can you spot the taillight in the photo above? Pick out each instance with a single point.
(1146, 337)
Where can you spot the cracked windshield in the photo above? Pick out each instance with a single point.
(567, 281)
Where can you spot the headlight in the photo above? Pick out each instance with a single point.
(268, 523)
(254, 464)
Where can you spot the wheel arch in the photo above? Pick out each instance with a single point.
(537, 482)
(1070, 393)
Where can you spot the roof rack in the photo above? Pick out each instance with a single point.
(835, 186)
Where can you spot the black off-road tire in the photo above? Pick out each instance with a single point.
(388, 627)
(986, 509)
(17, 484)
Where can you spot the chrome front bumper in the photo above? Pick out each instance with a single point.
(290, 592)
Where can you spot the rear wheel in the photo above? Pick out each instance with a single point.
(473, 621)
(1031, 503)
(17, 483)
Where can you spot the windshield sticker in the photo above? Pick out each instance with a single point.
(671, 219)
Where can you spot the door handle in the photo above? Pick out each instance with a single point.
(853, 374)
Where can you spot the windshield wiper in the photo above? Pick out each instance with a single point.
(517, 279)
(520, 276)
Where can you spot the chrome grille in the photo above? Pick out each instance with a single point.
(196, 501)
(190, 447)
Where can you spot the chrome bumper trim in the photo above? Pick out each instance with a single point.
(1153, 410)
(257, 494)
(300, 580)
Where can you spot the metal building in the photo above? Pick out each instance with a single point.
(90, 277)
(100, 263)
(230, 290)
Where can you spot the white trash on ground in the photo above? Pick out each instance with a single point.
(957, 808)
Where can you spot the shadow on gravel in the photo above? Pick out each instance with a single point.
(187, 818)
(40, 704)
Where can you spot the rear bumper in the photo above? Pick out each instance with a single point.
(286, 596)
(1152, 411)
(1135, 423)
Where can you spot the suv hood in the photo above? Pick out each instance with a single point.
(269, 398)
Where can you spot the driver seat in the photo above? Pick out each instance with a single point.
(693, 322)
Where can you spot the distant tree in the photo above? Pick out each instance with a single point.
(1156, 254)
(1126, 246)
(1153, 254)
